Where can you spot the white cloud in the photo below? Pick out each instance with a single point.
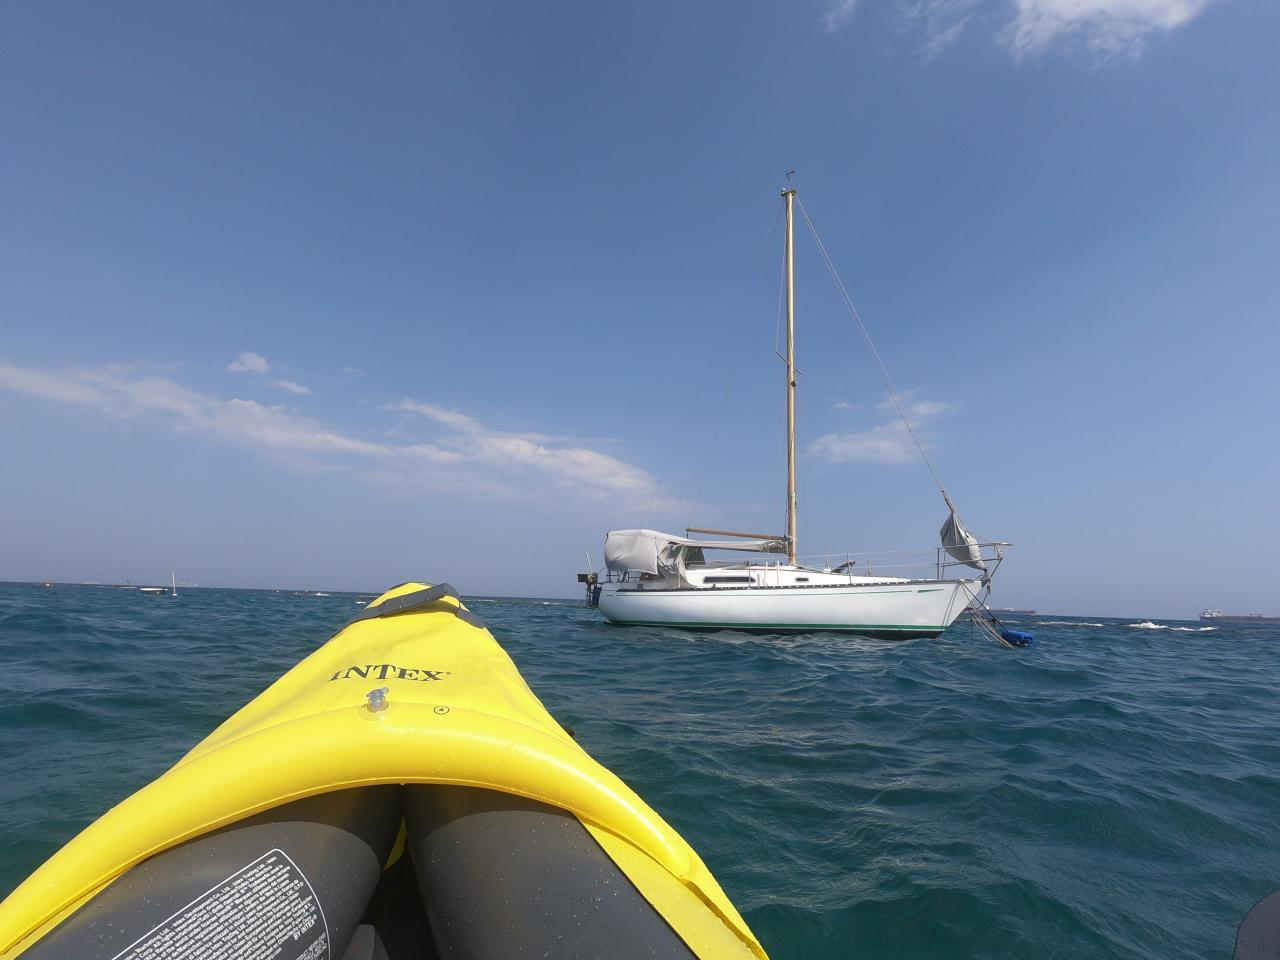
(842, 405)
(1105, 27)
(552, 457)
(450, 418)
(838, 13)
(940, 21)
(273, 430)
(938, 37)
(916, 410)
(249, 362)
(886, 442)
(48, 386)
(294, 388)
(467, 458)
(883, 443)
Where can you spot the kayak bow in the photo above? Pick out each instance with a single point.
(414, 693)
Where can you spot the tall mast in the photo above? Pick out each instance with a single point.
(789, 196)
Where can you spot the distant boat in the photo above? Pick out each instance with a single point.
(1217, 616)
(152, 590)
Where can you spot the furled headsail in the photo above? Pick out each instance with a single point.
(958, 541)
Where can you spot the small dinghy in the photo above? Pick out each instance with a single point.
(400, 793)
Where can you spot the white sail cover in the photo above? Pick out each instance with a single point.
(651, 551)
(959, 542)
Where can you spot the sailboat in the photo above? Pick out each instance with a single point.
(157, 591)
(661, 579)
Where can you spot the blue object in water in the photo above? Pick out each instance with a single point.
(1016, 638)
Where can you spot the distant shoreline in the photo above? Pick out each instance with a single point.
(310, 591)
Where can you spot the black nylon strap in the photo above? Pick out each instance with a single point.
(415, 600)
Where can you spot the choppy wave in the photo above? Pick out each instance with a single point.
(1067, 623)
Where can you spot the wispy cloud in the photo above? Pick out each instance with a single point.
(838, 13)
(939, 21)
(466, 458)
(559, 458)
(249, 362)
(52, 386)
(296, 389)
(886, 442)
(1106, 28)
(450, 418)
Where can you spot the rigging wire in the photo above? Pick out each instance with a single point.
(871, 348)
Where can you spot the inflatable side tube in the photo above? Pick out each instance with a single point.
(502, 876)
(291, 883)
(1259, 933)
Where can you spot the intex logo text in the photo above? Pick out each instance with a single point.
(380, 671)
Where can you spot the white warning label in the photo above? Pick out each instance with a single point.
(266, 910)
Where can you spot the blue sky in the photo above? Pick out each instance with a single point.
(337, 296)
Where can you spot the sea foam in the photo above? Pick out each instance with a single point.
(1148, 625)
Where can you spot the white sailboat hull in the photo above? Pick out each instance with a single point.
(917, 608)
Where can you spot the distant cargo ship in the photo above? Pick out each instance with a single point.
(1217, 616)
(1008, 611)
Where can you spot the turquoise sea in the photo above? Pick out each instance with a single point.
(1112, 792)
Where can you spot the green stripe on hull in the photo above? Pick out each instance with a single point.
(869, 629)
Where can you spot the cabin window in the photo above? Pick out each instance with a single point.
(802, 579)
(727, 580)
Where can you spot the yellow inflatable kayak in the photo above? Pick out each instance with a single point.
(399, 793)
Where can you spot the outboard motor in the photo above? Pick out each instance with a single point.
(592, 581)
